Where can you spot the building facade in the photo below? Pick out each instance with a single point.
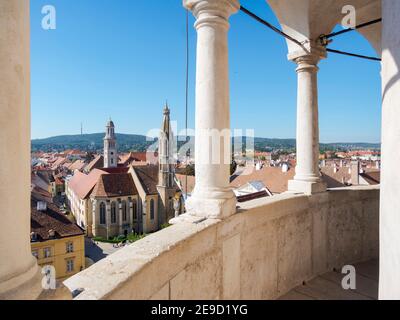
(118, 199)
(55, 240)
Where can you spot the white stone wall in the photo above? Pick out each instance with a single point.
(389, 278)
(270, 246)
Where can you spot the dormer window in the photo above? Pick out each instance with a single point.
(52, 233)
(33, 236)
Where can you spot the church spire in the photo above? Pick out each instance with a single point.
(166, 125)
(165, 149)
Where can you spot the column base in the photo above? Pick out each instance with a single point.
(25, 286)
(212, 208)
(306, 187)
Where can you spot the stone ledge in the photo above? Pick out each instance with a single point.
(193, 250)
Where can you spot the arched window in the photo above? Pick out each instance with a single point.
(113, 212)
(134, 209)
(152, 209)
(124, 215)
(102, 213)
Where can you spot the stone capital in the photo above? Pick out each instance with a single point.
(308, 56)
(212, 12)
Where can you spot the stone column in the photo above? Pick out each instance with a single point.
(20, 276)
(307, 179)
(212, 196)
(389, 222)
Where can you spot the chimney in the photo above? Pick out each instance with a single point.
(341, 163)
(355, 172)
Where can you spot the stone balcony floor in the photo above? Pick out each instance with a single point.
(328, 286)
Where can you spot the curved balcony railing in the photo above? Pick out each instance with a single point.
(269, 247)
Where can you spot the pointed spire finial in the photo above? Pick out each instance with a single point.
(166, 108)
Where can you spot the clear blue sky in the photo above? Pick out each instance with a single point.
(124, 58)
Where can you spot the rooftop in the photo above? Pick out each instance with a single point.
(42, 222)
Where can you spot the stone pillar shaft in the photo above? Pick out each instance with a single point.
(212, 196)
(19, 273)
(389, 221)
(307, 179)
(307, 121)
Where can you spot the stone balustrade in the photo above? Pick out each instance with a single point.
(264, 250)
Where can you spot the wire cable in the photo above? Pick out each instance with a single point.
(363, 25)
(352, 54)
(273, 28)
(323, 38)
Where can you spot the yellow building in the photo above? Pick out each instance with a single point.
(55, 240)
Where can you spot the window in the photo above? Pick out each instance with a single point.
(70, 265)
(102, 213)
(112, 161)
(152, 209)
(124, 215)
(35, 253)
(134, 209)
(113, 212)
(70, 247)
(47, 252)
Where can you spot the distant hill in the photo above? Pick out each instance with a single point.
(135, 142)
(90, 142)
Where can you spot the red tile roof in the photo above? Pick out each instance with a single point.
(373, 177)
(114, 185)
(273, 178)
(51, 219)
(148, 177)
(96, 163)
(83, 184)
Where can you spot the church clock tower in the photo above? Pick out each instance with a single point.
(110, 147)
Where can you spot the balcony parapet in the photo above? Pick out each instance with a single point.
(268, 247)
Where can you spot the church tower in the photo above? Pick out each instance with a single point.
(165, 152)
(166, 172)
(110, 147)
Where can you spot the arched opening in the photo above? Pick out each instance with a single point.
(124, 211)
(134, 209)
(152, 209)
(102, 213)
(350, 93)
(113, 212)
